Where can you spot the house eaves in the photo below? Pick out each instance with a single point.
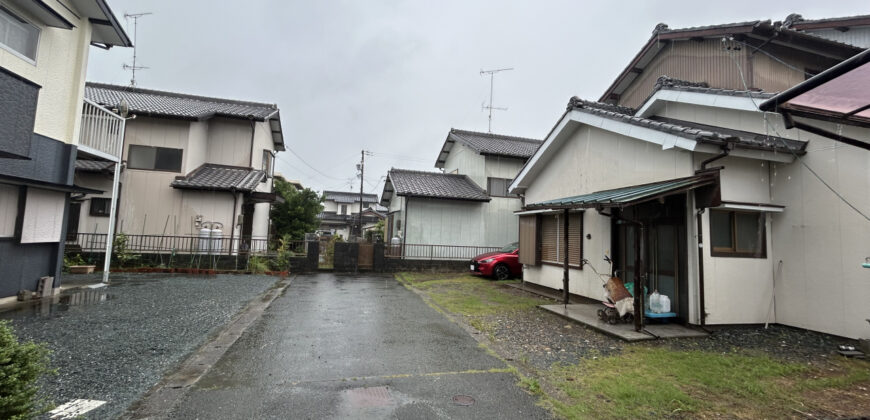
(668, 134)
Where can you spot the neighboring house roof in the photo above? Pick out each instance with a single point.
(757, 33)
(408, 183)
(157, 103)
(345, 197)
(488, 144)
(796, 21)
(840, 94)
(220, 178)
(670, 83)
(701, 133)
(94, 166)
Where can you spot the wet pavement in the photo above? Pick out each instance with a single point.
(113, 343)
(356, 347)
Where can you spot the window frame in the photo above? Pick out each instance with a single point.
(108, 204)
(268, 164)
(733, 251)
(154, 165)
(8, 48)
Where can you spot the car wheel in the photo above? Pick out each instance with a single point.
(501, 272)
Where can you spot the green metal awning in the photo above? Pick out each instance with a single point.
(627, 196)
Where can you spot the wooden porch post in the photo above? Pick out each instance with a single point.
(565, 292)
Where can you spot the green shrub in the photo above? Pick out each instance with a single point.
(281, 262)
(71, 260)
(21, 364)
(122, 256)
(258, 264)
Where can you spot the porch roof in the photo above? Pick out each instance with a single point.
(626, 196)
(215, 177)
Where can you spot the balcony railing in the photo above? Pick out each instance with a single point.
(102, 132)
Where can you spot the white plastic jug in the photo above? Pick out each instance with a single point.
(655, 302)
(664, 303)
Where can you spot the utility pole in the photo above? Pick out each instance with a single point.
(362, 168)
(134, 67)
(489, 107)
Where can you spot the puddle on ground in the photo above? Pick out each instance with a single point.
(49, 306)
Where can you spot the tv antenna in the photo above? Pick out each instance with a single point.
(134, 67)
(489, 107)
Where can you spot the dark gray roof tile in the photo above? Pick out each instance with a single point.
(220, 178)
(435, 185)
(176, 105)
(346, 197)
(489, 144)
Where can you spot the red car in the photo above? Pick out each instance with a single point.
(502, 264)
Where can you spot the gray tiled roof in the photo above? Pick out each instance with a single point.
(435, 185)
(690, 130)
(220, 178)
(490, 144)
(346, 197)
(94, 166)
(177, 105)
(670, 83)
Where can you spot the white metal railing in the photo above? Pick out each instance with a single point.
(102, 131)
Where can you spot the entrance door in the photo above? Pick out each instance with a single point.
(365, 258)
(72, 224)
(664, 263)
(247, 226)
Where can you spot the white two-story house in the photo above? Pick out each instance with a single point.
(192, 164)
(466, 204)
(43, 62)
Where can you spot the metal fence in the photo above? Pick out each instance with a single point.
(101, 129)
(436, 252)
(158, 244)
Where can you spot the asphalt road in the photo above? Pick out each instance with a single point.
(355, 347)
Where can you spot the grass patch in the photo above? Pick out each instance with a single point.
(646, 382)
(469, 295)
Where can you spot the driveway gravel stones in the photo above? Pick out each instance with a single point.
(114, 343)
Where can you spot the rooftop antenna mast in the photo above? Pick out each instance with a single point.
(489, 107)
(134, 67)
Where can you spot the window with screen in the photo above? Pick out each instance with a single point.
(498, 187)
(154, 158)
(738, 234)
(343, 209)
(18, 35)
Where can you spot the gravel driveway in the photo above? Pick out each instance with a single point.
(113, 344)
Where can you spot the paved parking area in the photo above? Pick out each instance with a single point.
(356, 347)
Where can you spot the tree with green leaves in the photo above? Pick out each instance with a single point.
(21, 364)
(297, 215)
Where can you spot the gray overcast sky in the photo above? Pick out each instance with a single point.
(394, 76)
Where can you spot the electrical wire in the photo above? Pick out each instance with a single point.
(780, 138)
(312, 167)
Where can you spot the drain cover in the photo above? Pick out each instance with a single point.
(463, 400)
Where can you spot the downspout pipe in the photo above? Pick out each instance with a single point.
(640, 266)
(701, 267)
(726, 150)
(565, 292)
(233, 221)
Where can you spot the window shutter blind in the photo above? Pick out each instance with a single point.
(549, 238)
(575, 238)
(528, 240)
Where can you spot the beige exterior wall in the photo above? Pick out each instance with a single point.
(445, 222)
(60, 67)
(197, 145)
(464, 160)
(707, 61)
(102, 182)
(229, 142)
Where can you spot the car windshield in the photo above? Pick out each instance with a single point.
(510, 247)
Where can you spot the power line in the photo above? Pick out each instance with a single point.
(780, 138)
(312, 167)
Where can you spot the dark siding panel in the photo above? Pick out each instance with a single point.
(18, 99)
(21, 266)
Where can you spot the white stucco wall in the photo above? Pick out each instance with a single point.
(102, 182)
(197, 145)
(61, 64)
(820, 240)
